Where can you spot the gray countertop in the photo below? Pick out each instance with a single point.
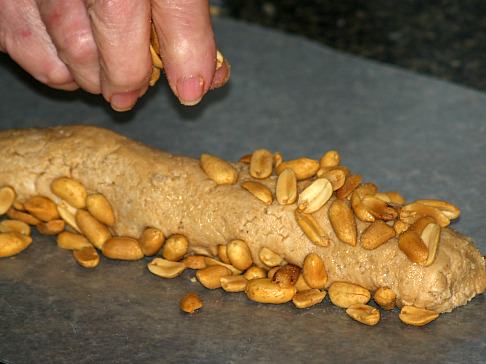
(417, 135)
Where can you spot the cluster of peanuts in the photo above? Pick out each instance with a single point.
(83, 224)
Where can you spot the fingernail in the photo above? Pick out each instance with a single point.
(190, 90)
(124, 101)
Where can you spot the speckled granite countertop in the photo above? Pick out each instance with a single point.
(443, 38)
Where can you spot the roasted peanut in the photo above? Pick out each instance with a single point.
(233, 283)
(349, 186)
(287, 275)
(151, 241)
(385, 297)
(254, 272)
(365, 314)
(303, 167)
(70, 190)
(175, 247)
(308, 298)
(277, 159)
(52, 227)
(449, 210)
(379, 209)
(18, 205)
(301, 284)
(23, 216)
(261, 163)
(7, 198)
(336, 176)
(87, 257)
(68, 214)
(223, 253)
(210, 277)
(218, 170)
(417, 316)
(190, 303)
(314, 196)
(345, 294)
(122, 248)
(195, 262)
(431, 237)
(286, 190)
(100, 208)
(343, 222)
(263, 290)
(412, 245)
(377, 234)
(95, 231)
(269, 258)
(314, 271)
(9, 226)
(246, 159)
(212, 262)
(72, 241)
(271, 272)
(165, 268)
(239, 254)
(400, 227)
(258, 190)
(419, 225)
(311, 228)
(42, 208)
(415, 210)
(330, 159)
(13, 243)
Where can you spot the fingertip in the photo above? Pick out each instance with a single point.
(190, 90)
(124, 101)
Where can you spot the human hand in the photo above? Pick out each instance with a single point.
(102, 46)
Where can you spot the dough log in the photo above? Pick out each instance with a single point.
(147, 187)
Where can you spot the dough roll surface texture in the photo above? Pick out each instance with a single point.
(151, 188)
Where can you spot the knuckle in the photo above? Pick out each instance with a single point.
(78, 48)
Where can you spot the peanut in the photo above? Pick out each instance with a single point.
(87, 257)
(7, 198)
(122, 248)
(400, 227)
(349, 186)
(151, 241)
(414, 248)
(68, 214)
(377, 234)
(277, 159)
(311, 228)
(70, 190)
(308, 298)
(379, 209)
(415, 210)
(239, 254)
(246, 159)
(419, 225)
(303, 167)
(72, 241)
(9, 226)
(258, 190)
(385, 297)
(345, 294)
(254, 272)
(95, 231)
(233, 283)
(330, 159)
(42, 208)
(195, 262)
(212, 262)
(343, 222)
(314, 271)
(286, 190)
(301, 284)
(287, 275)
(263, 290)
(220, 171)
(165, 268)
(175, 247)
(271, 272)
(417, 316)
(365, 314)
(269, 258)
(13, 243)
(210, 277)
(100, 208)
(335, 176)
(431, 237)
(52, 227)
(314, 196)
(23, 216)
(261, 164)
(190, 303)
(223, 253)
(449, 210)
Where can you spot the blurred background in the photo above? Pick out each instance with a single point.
(441, 38)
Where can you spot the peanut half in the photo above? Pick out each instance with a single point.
(412, 245)
(415, 210)
(379, 209)
(286, 190)
(70, 190)
(258, 190)
(210, 262)
(314, 271)
(308, 298)
(223, 253)
(449, 210)
(377, 234)
(261, 164)
(365, 314)
(239, 254)
(122, 248)
(95, 231)
(7, 198)
(13, 243)
(68, 214)
(175, 247)
(100, 208)
(190, 303)
(42, 208)
(343, 222)
(263, 290)
(301, 284)
(52, 227)
(23, 216)
(218, 169)
(385, 297)
(255, 272)
(350, 184)
(314, 196)
(336, 176)
(165, 268)
(72, 241)
(345, 294)
(233, 283)
(330, 159)
(431, 237)
(303, 167)
(195, 262)
(9, 226)
(269, 258)
(312, 229)
(210, 277)
(87, 257)
(287, 275)
(415, 316)
(151, 241)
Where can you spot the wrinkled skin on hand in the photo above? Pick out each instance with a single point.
(102, 46)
